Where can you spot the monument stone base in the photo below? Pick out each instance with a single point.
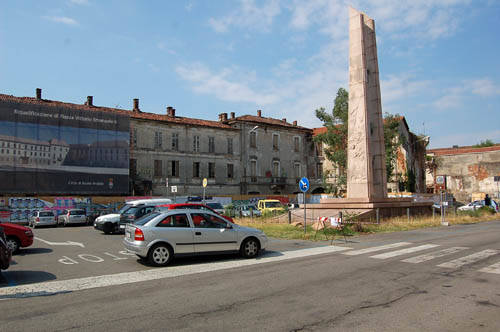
(366, 210)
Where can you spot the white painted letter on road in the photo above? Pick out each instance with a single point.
(91, 258)
(68, 261)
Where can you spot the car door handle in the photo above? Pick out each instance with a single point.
(197, 233)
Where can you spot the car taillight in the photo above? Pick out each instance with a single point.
(138, 235)
(37, 219)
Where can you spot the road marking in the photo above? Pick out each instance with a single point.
(404, 251)
(67, 243)
(495, 268)
(65, 286)
(432, 255)
(372, 249)
(470, 259)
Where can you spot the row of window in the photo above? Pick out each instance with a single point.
(158, 142)
(173, 170)
(27, 147)
(25, 153)
(276, 141)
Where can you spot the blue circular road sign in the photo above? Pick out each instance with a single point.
(304, 184)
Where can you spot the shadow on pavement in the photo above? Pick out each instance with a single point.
(14, 278)
(32, 251)
(199, 259)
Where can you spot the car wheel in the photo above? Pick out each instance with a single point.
(160, 255)
(250, 248)
(13, 244)
(107, 228)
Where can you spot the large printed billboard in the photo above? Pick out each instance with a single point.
(52, 149)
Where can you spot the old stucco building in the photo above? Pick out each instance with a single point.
(410, 155)
(464, 171)
(237, 155)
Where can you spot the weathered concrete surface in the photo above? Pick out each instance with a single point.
(467, 170)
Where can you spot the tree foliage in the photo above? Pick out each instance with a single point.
(484, 144)
(335, 138)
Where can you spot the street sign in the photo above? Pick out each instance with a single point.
(440, 179)
(205, 182)
(174, 189)
(304, 184)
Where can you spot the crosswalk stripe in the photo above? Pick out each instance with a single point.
(495, 268)
(432, 255)
(404, 251)
(372, 249)
(470, 259)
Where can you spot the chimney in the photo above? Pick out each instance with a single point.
(295, 123)
(38, 93)
(284, 120)
(259, 113)
(223, 117)
(232, 115)
(170, 111)
(136, 105)
(89, 101)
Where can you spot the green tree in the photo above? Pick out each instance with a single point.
(484, 144)
(335, 138)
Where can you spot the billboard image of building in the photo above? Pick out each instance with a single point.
(53, 149)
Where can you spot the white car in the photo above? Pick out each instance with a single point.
(479, 204)
(159, 236)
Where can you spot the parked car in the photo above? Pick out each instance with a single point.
(248, 210)
(159, 236)
(479, 204)
(217, 207)
(270, 205)
(72, 216)
(110, 223)
(5, 252)
(165, 207)
(43, 218)
(17, 236)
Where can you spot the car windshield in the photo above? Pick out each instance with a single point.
(249, 207)
(124, 208)
(132, 210)
(273, 204)
(46, 214)
(145, 219)
(217, 206)
(77, 212)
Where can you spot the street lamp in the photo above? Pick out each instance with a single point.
(253, 129)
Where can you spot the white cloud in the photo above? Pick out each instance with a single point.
(222, 84)
(61, 19)
(484, 87)
(79, 2)
(454, 96)
(401, 86)
(248, 15)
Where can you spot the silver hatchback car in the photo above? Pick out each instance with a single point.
(159, 236)
(43, 218)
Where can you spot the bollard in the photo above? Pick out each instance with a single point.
(289, 216)
(408, 213)
(377, 213)
(433, 213)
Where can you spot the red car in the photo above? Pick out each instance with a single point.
(165, 207)
(17, 236)
(5, 253)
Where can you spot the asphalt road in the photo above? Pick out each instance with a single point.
(443, 279)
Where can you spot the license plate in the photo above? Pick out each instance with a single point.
(122, 226)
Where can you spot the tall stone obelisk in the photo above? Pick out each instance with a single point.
(366, 173)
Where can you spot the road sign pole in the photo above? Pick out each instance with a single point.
(305, 220)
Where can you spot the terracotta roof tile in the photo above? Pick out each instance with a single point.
(463, 150)
(264, 120)
(134, 115)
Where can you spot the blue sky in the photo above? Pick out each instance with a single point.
(438, 60)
